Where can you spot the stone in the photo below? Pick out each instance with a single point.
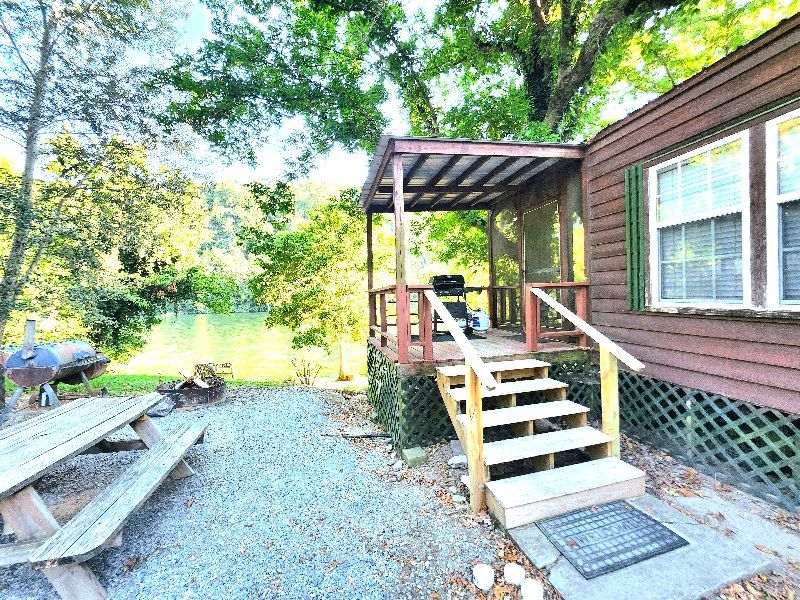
(373, 416)
(414, 456)
(459, 499)
(513, 573)
(483, 576)
(398, 465)
(455, 447)
(360, 398)
(452, 489)
(531, 589)
(458, 461)
(162, 409)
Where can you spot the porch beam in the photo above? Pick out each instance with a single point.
(490, 175)
(530, 170)
(476, 164)
(490, 292)
(436, 178)
(451, 188)
(412, 171)
(487, 148)
(373, 315)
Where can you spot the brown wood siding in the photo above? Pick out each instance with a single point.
(753, 359)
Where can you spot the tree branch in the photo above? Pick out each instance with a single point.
(17, 51)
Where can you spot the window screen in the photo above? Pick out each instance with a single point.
(788, 155)
(790, 251)
(699, 201)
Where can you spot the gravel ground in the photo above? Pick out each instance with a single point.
(281, 506)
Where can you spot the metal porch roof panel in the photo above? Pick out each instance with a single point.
(447, 174)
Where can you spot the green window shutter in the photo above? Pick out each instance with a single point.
(634, 236)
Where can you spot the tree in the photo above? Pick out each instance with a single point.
(107, 227)
(312, 273)
(65, 66)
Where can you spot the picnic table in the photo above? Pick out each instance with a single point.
(35, 447)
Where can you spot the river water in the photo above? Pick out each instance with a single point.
(254, 351)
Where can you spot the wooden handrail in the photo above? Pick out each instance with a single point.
(471, 356)
(579, 323)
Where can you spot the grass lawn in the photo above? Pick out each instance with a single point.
(126, 385)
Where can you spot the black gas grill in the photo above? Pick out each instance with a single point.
(451, 287)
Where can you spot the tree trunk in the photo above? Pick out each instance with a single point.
(343, 376)
(10, 285)
(536, 78)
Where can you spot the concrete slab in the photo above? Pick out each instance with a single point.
(739, 514)
(710, 562)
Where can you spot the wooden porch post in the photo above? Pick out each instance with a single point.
(609, 397)
(532, 325)
(373, 311)
(490, 294)
(476, 463)
(403, 307)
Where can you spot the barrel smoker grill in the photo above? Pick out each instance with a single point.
(44, 366)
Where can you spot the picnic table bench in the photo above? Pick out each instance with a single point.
(33, 448)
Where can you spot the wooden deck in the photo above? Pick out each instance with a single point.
(492, 345)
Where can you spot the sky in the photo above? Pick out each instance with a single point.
(339, 167)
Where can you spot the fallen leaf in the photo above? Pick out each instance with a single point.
(718, 516)
(766, 550)
(572, 543)
(130, 564)
(189, 502)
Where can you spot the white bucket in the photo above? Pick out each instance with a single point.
(480, 320)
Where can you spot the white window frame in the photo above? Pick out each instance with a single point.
(653, 228)
(774, 200)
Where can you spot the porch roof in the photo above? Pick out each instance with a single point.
(457, 174)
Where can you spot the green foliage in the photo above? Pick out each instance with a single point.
(128, 385)
(457, 237)
(110, 230)
(269, 63)
(312, 273)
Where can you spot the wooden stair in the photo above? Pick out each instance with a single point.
(542, 489)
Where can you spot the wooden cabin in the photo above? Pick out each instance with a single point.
(668, 245)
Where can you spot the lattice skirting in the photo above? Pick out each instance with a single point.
(410, 407)
(749, 446)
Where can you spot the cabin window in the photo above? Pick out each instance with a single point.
(783, 211)
(699, 212)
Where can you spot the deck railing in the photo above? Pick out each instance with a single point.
(610, 353)
(559, 327)
(394, 322)
(504, 305)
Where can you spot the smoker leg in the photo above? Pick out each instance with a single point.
(85, 381)
(10, 406)
(52, 399)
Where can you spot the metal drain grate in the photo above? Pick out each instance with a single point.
(602, 539)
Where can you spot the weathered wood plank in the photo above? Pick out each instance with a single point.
(30, 519)
(150, 435)
(18, 552)
(92, 529)
(609, 397)
(478, 472)
(48, 450)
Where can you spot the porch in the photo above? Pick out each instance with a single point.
(535, 203)
(511, 335)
